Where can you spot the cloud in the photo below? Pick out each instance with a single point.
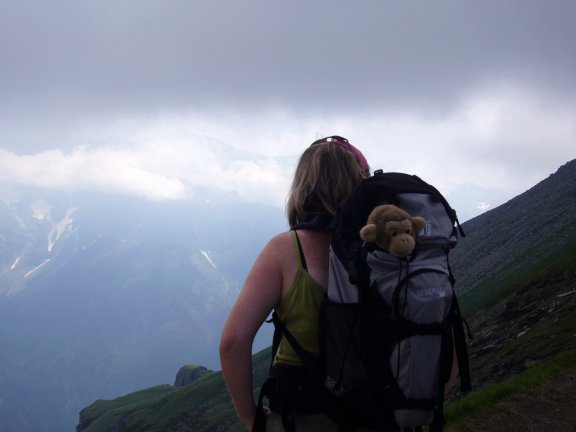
(107, 58)
(154, 169)
(504, 139)
(122, 95)
(114, 170)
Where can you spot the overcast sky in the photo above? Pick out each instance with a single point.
(477, 97)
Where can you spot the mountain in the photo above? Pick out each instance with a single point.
(516, 275)
(515, 237)
(518, 278)
(101, 295)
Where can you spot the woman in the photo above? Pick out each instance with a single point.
(291, 275)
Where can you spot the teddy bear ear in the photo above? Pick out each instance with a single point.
(369, 232)
(419, 223)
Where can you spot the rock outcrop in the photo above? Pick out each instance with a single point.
(188, 374)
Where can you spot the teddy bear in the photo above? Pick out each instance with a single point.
(392, 229)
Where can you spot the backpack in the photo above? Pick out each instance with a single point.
(389, 326)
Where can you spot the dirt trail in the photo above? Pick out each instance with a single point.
(551, 408)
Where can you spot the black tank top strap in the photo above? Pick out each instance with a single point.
(300, 251)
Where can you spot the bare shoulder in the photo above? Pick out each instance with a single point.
(278, 246)
(275, 252)
(281, 240)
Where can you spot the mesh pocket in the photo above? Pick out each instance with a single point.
(340, 348)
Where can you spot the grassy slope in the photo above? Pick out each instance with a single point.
(536, 322)
(529, 336)
(465, 414)
(160, 408)
(203, 405)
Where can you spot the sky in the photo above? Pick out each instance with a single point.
(158, 98)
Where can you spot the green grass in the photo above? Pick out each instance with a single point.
(205, 403)
(462, 415)
(107, 412)
(160, 415)
(155, 409)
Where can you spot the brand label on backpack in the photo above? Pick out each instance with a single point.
(433, 291)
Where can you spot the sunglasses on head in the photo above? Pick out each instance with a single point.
(341, 141)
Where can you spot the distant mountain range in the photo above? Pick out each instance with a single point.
(101, 295)
(517, 280)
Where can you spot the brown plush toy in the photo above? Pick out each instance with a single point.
(392, 229)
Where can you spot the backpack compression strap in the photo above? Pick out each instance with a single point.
(266, 389)
(460, 345)
(310, 364)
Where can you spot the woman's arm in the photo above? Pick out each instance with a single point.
(261, 291)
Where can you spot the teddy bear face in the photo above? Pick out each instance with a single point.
(392, 229)
(400, 238)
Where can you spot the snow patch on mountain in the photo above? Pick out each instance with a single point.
(60, 228)
(205, 254)
(93, 242)
(213, 264)
(41, 209)
(46, 261)
(16, 288)
(13, 266)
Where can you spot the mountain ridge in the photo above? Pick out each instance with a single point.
(490, 256)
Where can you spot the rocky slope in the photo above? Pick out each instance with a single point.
(513, 238)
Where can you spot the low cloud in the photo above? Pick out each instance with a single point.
(504, 139)
(117, 170)
(159, 172)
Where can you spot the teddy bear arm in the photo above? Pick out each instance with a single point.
(419, 223)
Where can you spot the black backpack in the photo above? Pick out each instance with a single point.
(389, 326)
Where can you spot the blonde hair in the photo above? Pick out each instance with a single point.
(325, 175)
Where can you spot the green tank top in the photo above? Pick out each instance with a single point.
(298, 310)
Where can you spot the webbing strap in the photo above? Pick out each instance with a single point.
(460, 345)
(260, 419)
(310, 365)
(308, 361)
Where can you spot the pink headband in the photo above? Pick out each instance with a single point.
(346, 144)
